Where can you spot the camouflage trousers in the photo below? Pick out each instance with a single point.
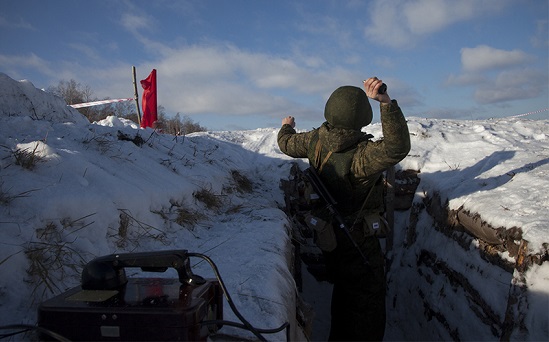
(358, 297)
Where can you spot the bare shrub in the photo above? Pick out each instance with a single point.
(179, 125)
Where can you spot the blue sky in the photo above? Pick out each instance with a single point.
(246, 64)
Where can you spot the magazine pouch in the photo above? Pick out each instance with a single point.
(324, 236)
(375, 225)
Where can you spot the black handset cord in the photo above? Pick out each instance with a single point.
(257, 332)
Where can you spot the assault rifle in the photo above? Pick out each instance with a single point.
(331, 203)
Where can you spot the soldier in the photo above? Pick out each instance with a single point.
(350, 165)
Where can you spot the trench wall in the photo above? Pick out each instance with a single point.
(451, 276)
(467, 279)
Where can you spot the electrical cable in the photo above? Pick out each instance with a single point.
(265, 331)
(27, 327)
(2, 336)
(247, 325)
(242, 326)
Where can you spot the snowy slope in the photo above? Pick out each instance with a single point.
(88, 185)
(96, 189)
(472, 163)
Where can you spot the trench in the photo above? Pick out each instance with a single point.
(439, 287)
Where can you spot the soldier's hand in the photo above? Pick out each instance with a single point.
(371, 86)
(289, 120)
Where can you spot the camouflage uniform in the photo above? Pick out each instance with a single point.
(350, 170)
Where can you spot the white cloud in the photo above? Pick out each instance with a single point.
(517, 84)
(465, 79)
(14, 64)
(224, 80)
(540, 39)
(323, 31)
(386, 26)
(21, 24)
(400, 23)
(203, 79)
(86, 50)
(30, 60)
(134, 23)
(484, 57)
(499, 75)
(428, 16)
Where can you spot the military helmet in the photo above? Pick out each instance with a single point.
(348, 107)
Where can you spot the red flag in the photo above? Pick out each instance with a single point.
(149, 100)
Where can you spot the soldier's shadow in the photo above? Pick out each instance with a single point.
(461, 182)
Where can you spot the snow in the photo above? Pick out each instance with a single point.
(472, 163)
(85, 182)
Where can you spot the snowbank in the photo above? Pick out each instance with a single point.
(71, 191)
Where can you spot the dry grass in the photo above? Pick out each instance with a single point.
(8, 257)
(51, 261)
(6, 198)
(103, 142)
(187, 217)
(48, 233)
(49, 265)
(182, 216)
(235, 209)
(243, 183)
(123, 225)
(210, 200)
(27, 157)
(76, 225)
(131, 231)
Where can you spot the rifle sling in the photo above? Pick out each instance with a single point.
(364, 203)
(318, 149)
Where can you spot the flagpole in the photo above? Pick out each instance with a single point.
(136, 97)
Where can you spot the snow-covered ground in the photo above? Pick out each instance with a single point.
(108, 187)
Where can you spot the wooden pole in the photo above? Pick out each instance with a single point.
(136, 96)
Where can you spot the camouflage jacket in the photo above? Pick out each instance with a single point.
(355, 162)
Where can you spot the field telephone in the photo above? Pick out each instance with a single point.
(108, 306)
